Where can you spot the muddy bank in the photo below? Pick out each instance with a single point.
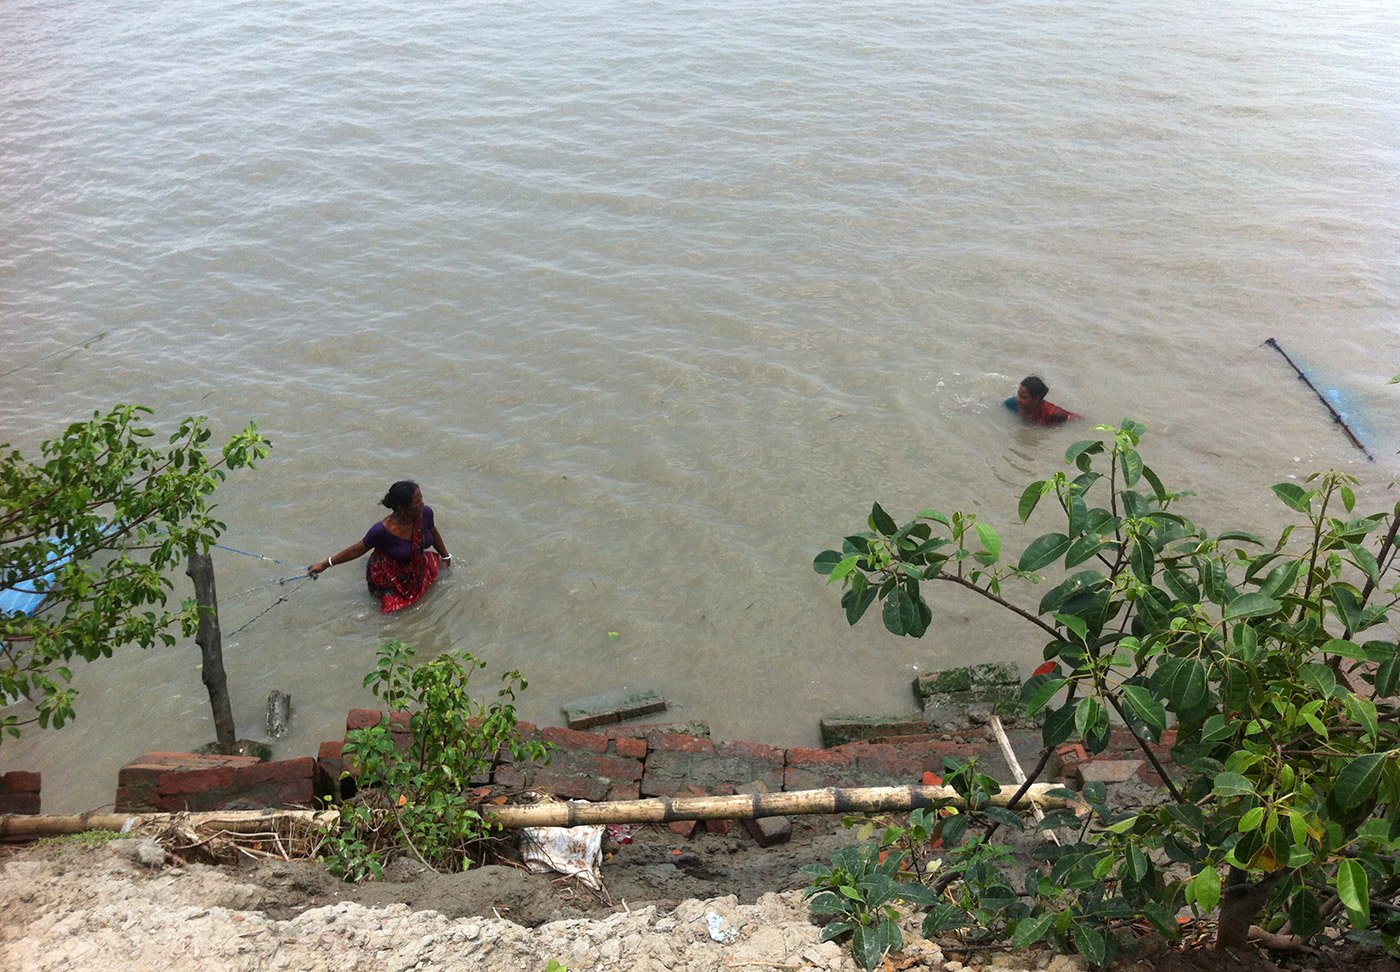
(715, 902)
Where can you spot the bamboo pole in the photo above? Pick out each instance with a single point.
(831, 800)
(869, 799)
(1014, 764)
(29, 826)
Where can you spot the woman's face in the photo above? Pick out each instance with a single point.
(416, 504)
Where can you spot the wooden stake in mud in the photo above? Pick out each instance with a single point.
(1336, 416)
(200, 568)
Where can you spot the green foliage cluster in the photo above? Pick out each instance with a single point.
(1276, 663)
(415, 788)
(128, 511)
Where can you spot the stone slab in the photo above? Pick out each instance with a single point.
(959, 710)
(610, 707)
(965, 678)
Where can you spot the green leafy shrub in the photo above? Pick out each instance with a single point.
(1276, 662)
(110, 511)
(859, 893)
(415, 794)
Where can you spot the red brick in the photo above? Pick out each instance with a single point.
(297, 794)
(719, 827)
(20, 781)
(675, 743)
(683, 828)
(635, 748)
(575, 739)
(179, 782)
(751, 750)
(331, 750)
(363, 719)
(19, 803)
(278, 771)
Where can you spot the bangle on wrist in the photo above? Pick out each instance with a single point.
(446, 556)
(330, 561)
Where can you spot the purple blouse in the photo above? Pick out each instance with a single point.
(379, 538)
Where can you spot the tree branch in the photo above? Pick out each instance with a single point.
(1015, 609)
(1146, 749)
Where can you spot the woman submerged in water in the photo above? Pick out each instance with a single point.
(401, 568)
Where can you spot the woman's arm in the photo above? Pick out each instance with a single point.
(441, 547)
(355, 551)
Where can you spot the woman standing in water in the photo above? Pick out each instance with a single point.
(401, 567)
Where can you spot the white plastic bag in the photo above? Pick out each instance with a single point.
(571, 851)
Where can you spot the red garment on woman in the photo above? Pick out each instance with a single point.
(400, 583)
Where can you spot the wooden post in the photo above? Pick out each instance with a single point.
(200, 568)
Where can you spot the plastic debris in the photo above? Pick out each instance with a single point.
(575, 852)
(720, 930)
(618, 834)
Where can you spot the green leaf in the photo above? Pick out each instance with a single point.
(881, 522)
(943, 918)
(826, 561)
(1251, 820)
(1182, 681)
(1294, 496)
(1143, 561)
(1347, 649)
(1242, 535)
(1204, 888)
(847, 565)
(1059, 725)
(856, 602)
(1132, 466)
(988, 535)
(1358, 780)
(1364, 713)
(901, 614)
(1047, 691)
(1030, 498)
(1353, 888)
(1043, 551)
(1031, 930)
(1231, 785)
(1305, 914)
(1366, 561)
(1083, 548)
(1251, 605)
(1091, 944)
(870, 943)
(1079, 453)
(1157, 489)
(1146, 705)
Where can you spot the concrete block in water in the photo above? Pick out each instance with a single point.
(964, 679)
(600, 710)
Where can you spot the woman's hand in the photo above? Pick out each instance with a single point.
(315, 570)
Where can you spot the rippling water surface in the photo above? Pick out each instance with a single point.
(654, 298)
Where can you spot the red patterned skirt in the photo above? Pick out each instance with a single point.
(399, 583)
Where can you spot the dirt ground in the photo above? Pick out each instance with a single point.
(681, 905)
